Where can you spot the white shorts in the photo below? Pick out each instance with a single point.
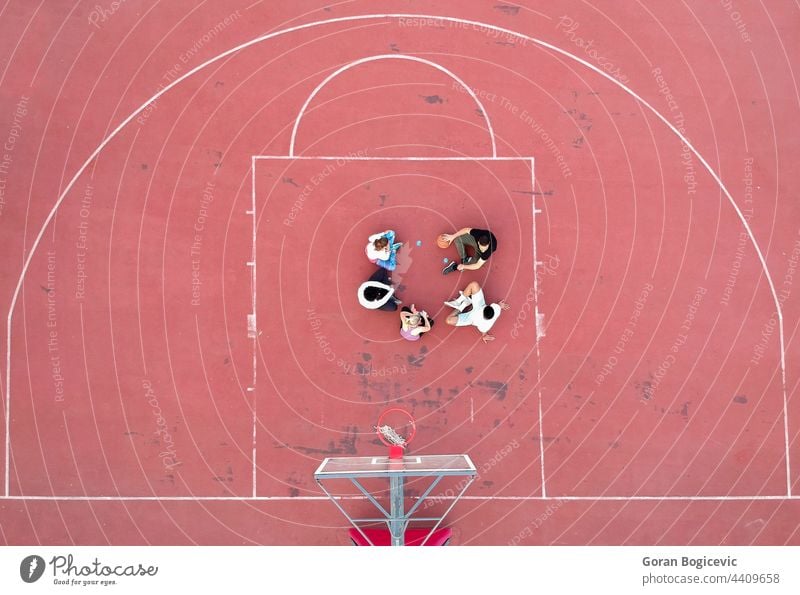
(475, 316)
(476, 312)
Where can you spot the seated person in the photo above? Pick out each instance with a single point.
(377, 292)
(382, 249)
(481, 242)
(413, 323)
(471, 310)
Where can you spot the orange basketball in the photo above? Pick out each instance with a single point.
(442, 241)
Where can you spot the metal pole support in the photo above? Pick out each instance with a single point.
(397, 519)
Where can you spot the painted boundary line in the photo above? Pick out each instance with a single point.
(358, 158)
(337, 20)
(536, 265)
(408, 57)
(325, 498)
(252, 324)
(253, 161)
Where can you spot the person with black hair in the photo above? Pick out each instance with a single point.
(377, 292)
(481, 243)
(470, 309)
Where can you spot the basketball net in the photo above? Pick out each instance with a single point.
(396, 442)
(391, 435)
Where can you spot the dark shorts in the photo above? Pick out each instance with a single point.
(461, 243)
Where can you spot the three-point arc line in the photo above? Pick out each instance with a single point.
(468, 22)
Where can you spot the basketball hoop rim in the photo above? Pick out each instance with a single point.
(411, 419)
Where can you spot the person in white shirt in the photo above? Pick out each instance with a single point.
(471, 310)
(382, 249)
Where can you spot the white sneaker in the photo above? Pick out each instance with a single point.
(458, 303)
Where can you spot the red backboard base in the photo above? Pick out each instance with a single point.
(412, 536)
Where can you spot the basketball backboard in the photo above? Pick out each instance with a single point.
(408, 466)
(397, 471)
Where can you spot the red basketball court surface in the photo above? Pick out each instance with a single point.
(187, 189)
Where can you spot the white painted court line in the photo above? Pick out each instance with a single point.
(536, 264)
(325, 498)
(407, 57)
(525, 159)
(357, 158)
(528, 160)
(313, 24)
(780, 313)
(253, 287)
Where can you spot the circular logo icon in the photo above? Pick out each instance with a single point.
(31, 569)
